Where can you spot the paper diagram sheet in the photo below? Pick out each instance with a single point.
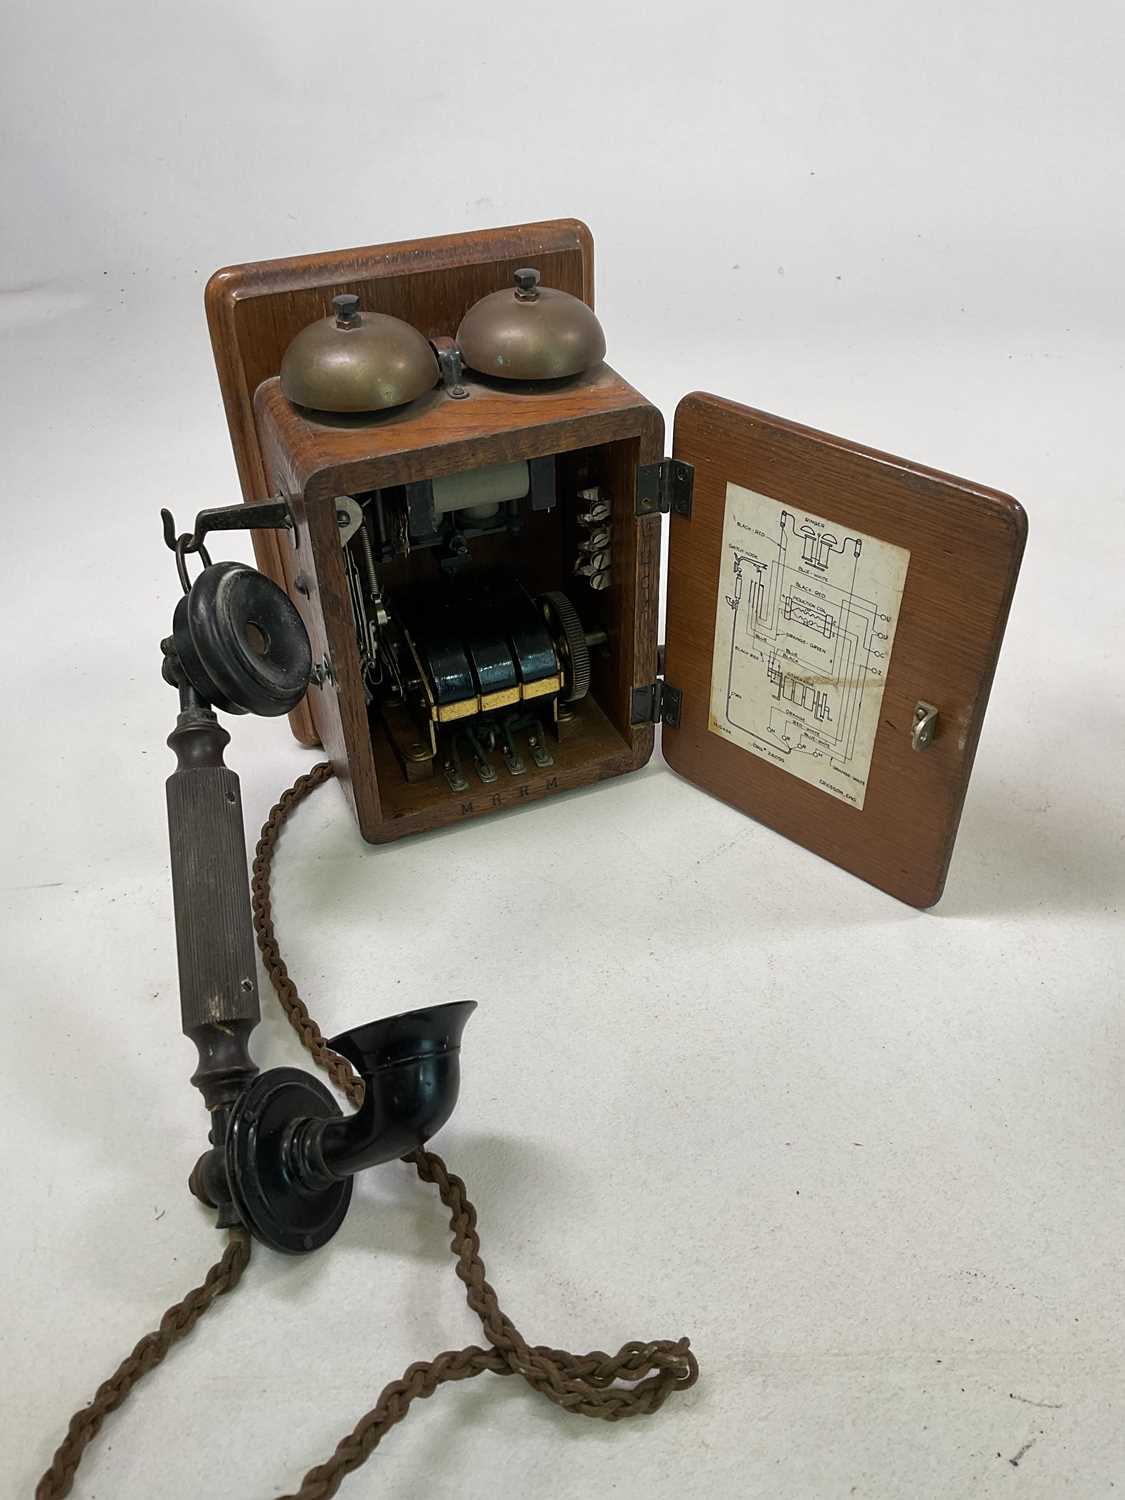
(804, 628)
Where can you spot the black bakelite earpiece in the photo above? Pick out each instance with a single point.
(241, 643)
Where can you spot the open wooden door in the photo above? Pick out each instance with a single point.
(834, 619)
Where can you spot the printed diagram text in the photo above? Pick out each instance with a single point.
(804, 628)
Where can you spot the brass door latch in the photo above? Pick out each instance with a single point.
(922, 730)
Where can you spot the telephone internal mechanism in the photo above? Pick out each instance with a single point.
(465, 504)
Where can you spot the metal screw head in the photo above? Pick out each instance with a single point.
(527, 283)
(347, 309)
(599, 511)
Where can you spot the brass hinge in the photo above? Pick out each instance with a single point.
(665, 488)
(657, 703)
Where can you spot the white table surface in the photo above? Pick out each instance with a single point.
(869, 1159)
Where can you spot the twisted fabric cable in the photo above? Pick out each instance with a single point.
(636, 1381)
(176, 1324)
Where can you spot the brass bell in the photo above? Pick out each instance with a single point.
(357, 361)
(530, 332)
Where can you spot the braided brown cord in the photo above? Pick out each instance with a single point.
(586, 1384)
(176, 1324)
(341, 1072)
(582, 1383)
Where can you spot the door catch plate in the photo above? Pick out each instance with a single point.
(922, 730)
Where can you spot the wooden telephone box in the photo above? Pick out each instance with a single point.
(834, 614)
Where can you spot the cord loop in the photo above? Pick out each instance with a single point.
(636, 1381)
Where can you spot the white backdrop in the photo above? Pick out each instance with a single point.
(871, 1160)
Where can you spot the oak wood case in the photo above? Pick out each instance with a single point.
(255, 310)
(965, 543)
(597, 417)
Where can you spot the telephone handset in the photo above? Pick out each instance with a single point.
(282, 1156)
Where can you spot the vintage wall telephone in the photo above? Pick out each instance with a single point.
(469, 527)
(462, 541)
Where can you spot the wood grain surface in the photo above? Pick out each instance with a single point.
(965, 543)
(255, 309)
(601, 429)
(436, 435)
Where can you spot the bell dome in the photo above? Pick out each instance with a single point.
(357, 362)
(530, 332)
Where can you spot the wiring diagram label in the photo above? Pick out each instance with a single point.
(804, 629)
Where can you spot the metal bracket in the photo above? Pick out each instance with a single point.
(452, 369)
(420, 507)
(253, 515)
(665, 488)
(323, 673)
(657, 703)
(349, 517)
(922, 729)
(541, 472)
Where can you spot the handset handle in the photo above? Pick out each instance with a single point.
(210, 894)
